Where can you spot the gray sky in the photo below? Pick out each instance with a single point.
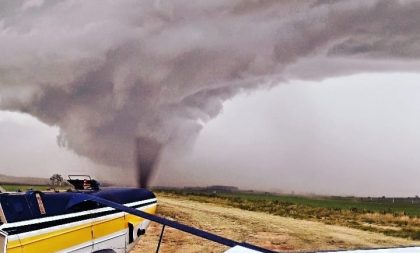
(349, 135)
(102, 73)
(29, 148)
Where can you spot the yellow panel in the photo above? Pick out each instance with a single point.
(12, 244)
(106, 227)
(58, 240)
(109, 226)
(135, 220)
(73, 236)
(15, 250)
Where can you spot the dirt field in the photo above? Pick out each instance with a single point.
(269, 231)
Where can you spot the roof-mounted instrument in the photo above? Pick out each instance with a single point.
(83, 183)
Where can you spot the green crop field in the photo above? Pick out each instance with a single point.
(20, 187)
(382, 205)
(410, 207)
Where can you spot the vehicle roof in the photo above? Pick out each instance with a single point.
(25, 206)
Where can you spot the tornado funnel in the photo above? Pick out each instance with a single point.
(147, 155)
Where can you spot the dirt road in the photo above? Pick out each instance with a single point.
(265, 230)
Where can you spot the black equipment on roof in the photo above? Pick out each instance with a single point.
(83, 182)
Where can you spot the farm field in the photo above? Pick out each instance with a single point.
(263, 229)
(407, 206)
(398, 218)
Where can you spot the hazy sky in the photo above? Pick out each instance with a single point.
(350, 135)
(309, 96)
(29, 148)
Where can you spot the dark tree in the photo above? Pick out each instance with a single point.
(56, 179)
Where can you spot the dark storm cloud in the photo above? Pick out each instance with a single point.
(107, 71)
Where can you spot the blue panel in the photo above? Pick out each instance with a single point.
(124, 195)
(20, 207)
(15, 207)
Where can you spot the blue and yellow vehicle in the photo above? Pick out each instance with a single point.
(34, 221)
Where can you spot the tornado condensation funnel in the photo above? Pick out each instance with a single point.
(147, 154)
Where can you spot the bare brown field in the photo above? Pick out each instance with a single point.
(265, 230)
